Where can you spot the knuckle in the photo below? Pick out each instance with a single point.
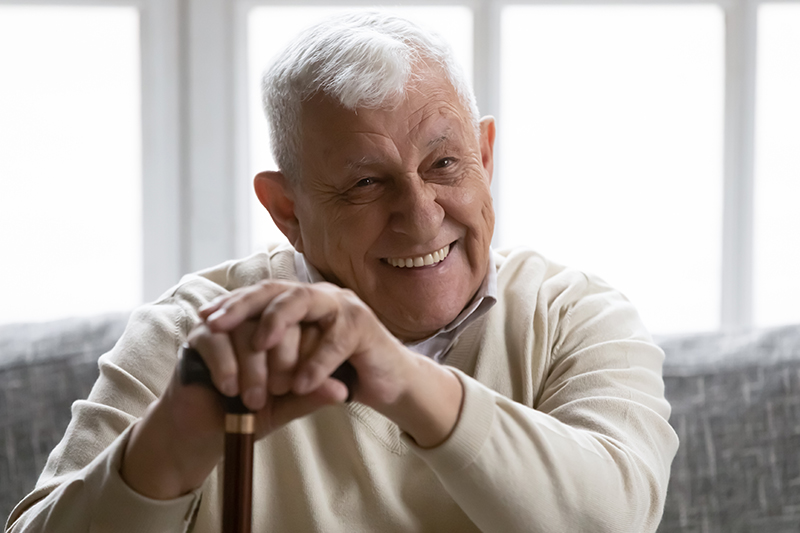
(267, 284)
(256, 372)
(338, 342)
(359, 312)
(327, 286)
(267, 320)
(303, 291)
(279, 365)
(353, 302)
(349, 295)
(332, 338)
(316, 368)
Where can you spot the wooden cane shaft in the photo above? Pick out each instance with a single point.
(239, 422)
(238, 480)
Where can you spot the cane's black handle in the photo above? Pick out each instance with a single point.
(346, 373)
(193, 370)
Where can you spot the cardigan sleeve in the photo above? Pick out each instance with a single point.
(95, 498)
(593, 452)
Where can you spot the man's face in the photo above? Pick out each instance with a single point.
(403, 185)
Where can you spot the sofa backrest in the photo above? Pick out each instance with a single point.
(736, 408)
(43, 369)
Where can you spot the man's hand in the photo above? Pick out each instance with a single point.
(276, 344)
(303, 332)
(179, 441)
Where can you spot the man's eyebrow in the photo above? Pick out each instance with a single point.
(366, 161)
(354, 164)
(439, 140)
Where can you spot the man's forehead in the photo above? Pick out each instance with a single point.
(428, 114)
(356, 161)
(425, 124)
(364, 148)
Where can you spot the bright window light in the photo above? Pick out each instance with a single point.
(777, 166)
(610, 149)
(271, 28)
(70, 161)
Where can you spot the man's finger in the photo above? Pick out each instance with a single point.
(205, 310)
(282, 361)
(219, 356)
(252, 367)
(289, 407)
(244, 303)
(318, 362)
(301, 303)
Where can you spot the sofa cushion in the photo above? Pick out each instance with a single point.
(736, 407)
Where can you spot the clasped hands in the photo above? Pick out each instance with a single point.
(276, 343)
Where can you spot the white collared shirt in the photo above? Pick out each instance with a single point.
(437, 345)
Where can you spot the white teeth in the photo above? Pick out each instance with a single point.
(423, 260)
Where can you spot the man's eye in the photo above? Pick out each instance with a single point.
(444, 162)
(364, 182)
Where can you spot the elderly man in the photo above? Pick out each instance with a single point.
(496, 391)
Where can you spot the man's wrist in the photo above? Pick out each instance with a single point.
(429, 408)
(153, 466)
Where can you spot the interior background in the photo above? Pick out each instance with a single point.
(653, 143)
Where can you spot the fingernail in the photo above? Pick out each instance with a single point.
(254, 397)
(229, 387)
(219, 313)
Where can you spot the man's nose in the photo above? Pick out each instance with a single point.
(415, 209)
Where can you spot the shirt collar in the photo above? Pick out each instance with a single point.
(306, 272)
(486, 294)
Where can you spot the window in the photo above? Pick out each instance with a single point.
(777, 166)
(697, 180)
(611, 149)
(70, 194)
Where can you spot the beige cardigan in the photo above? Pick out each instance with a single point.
(563, 426)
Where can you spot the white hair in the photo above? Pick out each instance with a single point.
(363, 59)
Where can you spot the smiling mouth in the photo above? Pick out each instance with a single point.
(420, 261)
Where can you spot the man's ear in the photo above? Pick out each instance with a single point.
(488, 133)
(276, 194)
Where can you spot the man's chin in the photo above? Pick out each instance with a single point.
(418, 326)
(414, 309)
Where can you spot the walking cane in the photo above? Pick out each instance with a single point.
(237, 499)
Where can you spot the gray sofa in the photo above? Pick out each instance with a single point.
(735, 400)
